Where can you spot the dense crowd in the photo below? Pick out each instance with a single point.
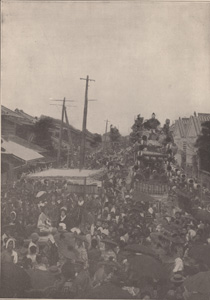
(119, 243)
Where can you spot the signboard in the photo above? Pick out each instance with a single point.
(152, 188)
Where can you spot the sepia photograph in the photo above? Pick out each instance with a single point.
(105, 149)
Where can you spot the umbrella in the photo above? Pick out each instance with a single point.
(110, 242)
(108, 291)
(201, 253)
(202, 215)
(66, 243)
(199, 282)
(41, 279)
(140, 249)
(39, 194)
(146, 266)
(14, 280)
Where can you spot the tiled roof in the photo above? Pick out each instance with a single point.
(199, 120)
(8, 112)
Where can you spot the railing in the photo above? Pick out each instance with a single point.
(153, 188)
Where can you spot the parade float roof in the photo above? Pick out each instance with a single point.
(69, 173)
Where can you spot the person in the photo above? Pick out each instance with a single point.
(145, 296)
(9, 254)
(82, 280)
(63, 217)
(32, 254)
(44, 223)
(80, 247)
(94, 256)
(34, 242)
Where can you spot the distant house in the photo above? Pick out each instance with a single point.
(193, 131)
(179, 135)
(17, 123)
(75, 134)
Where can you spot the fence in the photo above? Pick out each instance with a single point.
(154, 188)
(81, 189)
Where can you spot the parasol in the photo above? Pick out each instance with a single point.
(146, 266)
(66, 245)
(41, 279)
(14, 280)
(110, 242)
(202, 215)
(108, 291)
(140, 249)
(199, 282)
(201, 253)
(40, 194)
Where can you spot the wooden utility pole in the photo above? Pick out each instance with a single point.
(84, 124)
(107, 121)
(70, 144)
(61, 133)
(64, 113)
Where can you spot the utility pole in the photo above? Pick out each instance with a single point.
(61, 127)
(61, 133)
(107, 121)
(84, 124)
(70, 144)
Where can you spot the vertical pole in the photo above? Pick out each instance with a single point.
(106, 133)
(70, 144)
(61, 133)
(84, 124)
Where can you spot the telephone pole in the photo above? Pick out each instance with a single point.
(84, 124)
(61, 133)
(64, 113)
(107, 121)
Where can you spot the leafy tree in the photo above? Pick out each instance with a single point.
(114, 134)
(97, 139)
(203, 145)
(42, 132)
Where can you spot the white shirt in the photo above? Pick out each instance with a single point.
(179, 266)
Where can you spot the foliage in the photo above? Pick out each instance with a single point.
(42, 132)
(97, 139)
(114, 134)
(203, 145)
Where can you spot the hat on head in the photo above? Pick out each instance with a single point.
(54, 270)
(79, 262)
(62, 227)
(177, 278)
(63, 208)
(34, 236)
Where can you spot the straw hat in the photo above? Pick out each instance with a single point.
(177, 278)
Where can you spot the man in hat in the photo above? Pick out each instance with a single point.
(82, 280)
(80, 246)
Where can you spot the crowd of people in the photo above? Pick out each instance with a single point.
(118, 243)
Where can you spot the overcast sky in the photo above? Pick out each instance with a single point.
(145, 58)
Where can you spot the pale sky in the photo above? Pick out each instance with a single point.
(145, 58)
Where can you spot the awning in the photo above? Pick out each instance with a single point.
(26, 154)
(68, 173)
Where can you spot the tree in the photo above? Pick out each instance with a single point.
(42, 132)
(114, 134)
(97, 139)
(203, 145)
